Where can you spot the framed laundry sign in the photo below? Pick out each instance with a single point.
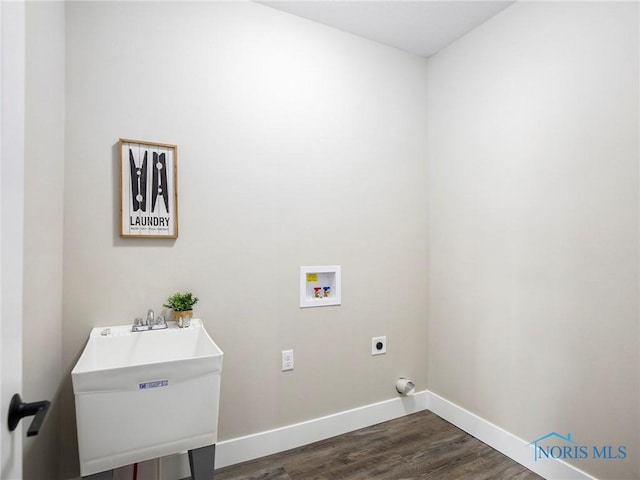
(148, 189)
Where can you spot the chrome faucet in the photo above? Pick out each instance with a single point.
(151, 323)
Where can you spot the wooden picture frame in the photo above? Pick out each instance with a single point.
(148, 189)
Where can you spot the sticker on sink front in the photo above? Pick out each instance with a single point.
(154, 384)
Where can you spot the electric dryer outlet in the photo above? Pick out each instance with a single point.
(378, 345)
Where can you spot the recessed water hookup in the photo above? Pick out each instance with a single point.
(320, 286)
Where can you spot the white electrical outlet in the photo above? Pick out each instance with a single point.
(287, 360)
(378, 345)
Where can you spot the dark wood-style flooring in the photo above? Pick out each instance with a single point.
(421, 446)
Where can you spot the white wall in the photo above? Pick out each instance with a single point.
(533, 224)
(44, 184)
(298, 145)
(12, 156)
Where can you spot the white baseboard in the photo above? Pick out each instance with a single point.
(513, 447)
(242, 449)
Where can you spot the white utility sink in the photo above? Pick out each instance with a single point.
(143, 395)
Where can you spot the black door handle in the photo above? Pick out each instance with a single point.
(19, 409)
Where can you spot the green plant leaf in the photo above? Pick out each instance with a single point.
(181, 302)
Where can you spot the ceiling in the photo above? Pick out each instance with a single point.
(419, 27)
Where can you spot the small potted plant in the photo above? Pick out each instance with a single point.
(181, 304)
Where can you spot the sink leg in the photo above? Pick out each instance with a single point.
(201, 462)
(106, 475)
